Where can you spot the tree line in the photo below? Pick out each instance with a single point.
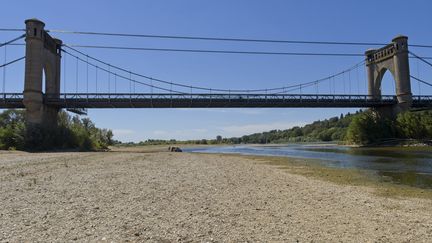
(71, 132)
(362, 128)
(369, 128)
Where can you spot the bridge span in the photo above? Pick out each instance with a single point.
(163, 100)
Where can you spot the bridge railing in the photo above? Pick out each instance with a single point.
(94, 100)
(216, 96)
(11, 96)
(422, 98)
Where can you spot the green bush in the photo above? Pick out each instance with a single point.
(69, 133)
(369, 127)
(415, 125)
(12, 129)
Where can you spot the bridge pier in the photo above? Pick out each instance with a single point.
(394, 58)
(43, 54)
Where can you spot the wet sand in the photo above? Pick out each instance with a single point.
(153, 196)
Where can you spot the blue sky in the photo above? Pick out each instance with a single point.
(356, 21)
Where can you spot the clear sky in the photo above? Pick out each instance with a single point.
(337, 20)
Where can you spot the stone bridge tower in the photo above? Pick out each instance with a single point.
(392, 57)
(43, 54)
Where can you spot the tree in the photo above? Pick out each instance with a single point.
(369, 127)
(218, 138)
(415, 125)
(70, 132)
(12, 129)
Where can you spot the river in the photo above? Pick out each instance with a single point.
(409, 166)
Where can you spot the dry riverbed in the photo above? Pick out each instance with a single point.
(157, 196)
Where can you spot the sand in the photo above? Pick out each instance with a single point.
(183, 197)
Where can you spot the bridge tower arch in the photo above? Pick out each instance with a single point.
(393, 58)
(43, 56)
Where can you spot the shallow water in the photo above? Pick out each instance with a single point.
(408, 166)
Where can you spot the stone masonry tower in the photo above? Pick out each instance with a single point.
(392, 57)
(43, 54)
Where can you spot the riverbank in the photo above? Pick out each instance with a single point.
(155, 196)
(376, 184)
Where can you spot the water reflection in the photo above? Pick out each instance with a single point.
(408, 166)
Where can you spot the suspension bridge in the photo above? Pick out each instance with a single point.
(44, 55)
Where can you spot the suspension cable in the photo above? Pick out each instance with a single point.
(219, 38)
(13, 40)
(229, 39)
(218, 51)
(223, 51)
(421, 58)
(421, 80)
(11, 62)
(11, 29)
(205, 88)
(121, 76)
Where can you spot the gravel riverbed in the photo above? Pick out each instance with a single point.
(183, 197)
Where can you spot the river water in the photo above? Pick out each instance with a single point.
(408, 166)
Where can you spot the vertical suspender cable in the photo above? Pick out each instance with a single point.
(109, 79)
(358, 81)
(151, 86)
(331, 85)
(130, 82)
(191, 98)
(366, 82)
(171, 95)
(133, 87)
(96, 79)
(418, 75)
(4, 71)
(349, 81)
(343, 81)
(115, 83)
(334, 85)
(64, 74)
(87, 79)
(76, 77)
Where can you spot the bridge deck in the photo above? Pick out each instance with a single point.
(104, 100)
